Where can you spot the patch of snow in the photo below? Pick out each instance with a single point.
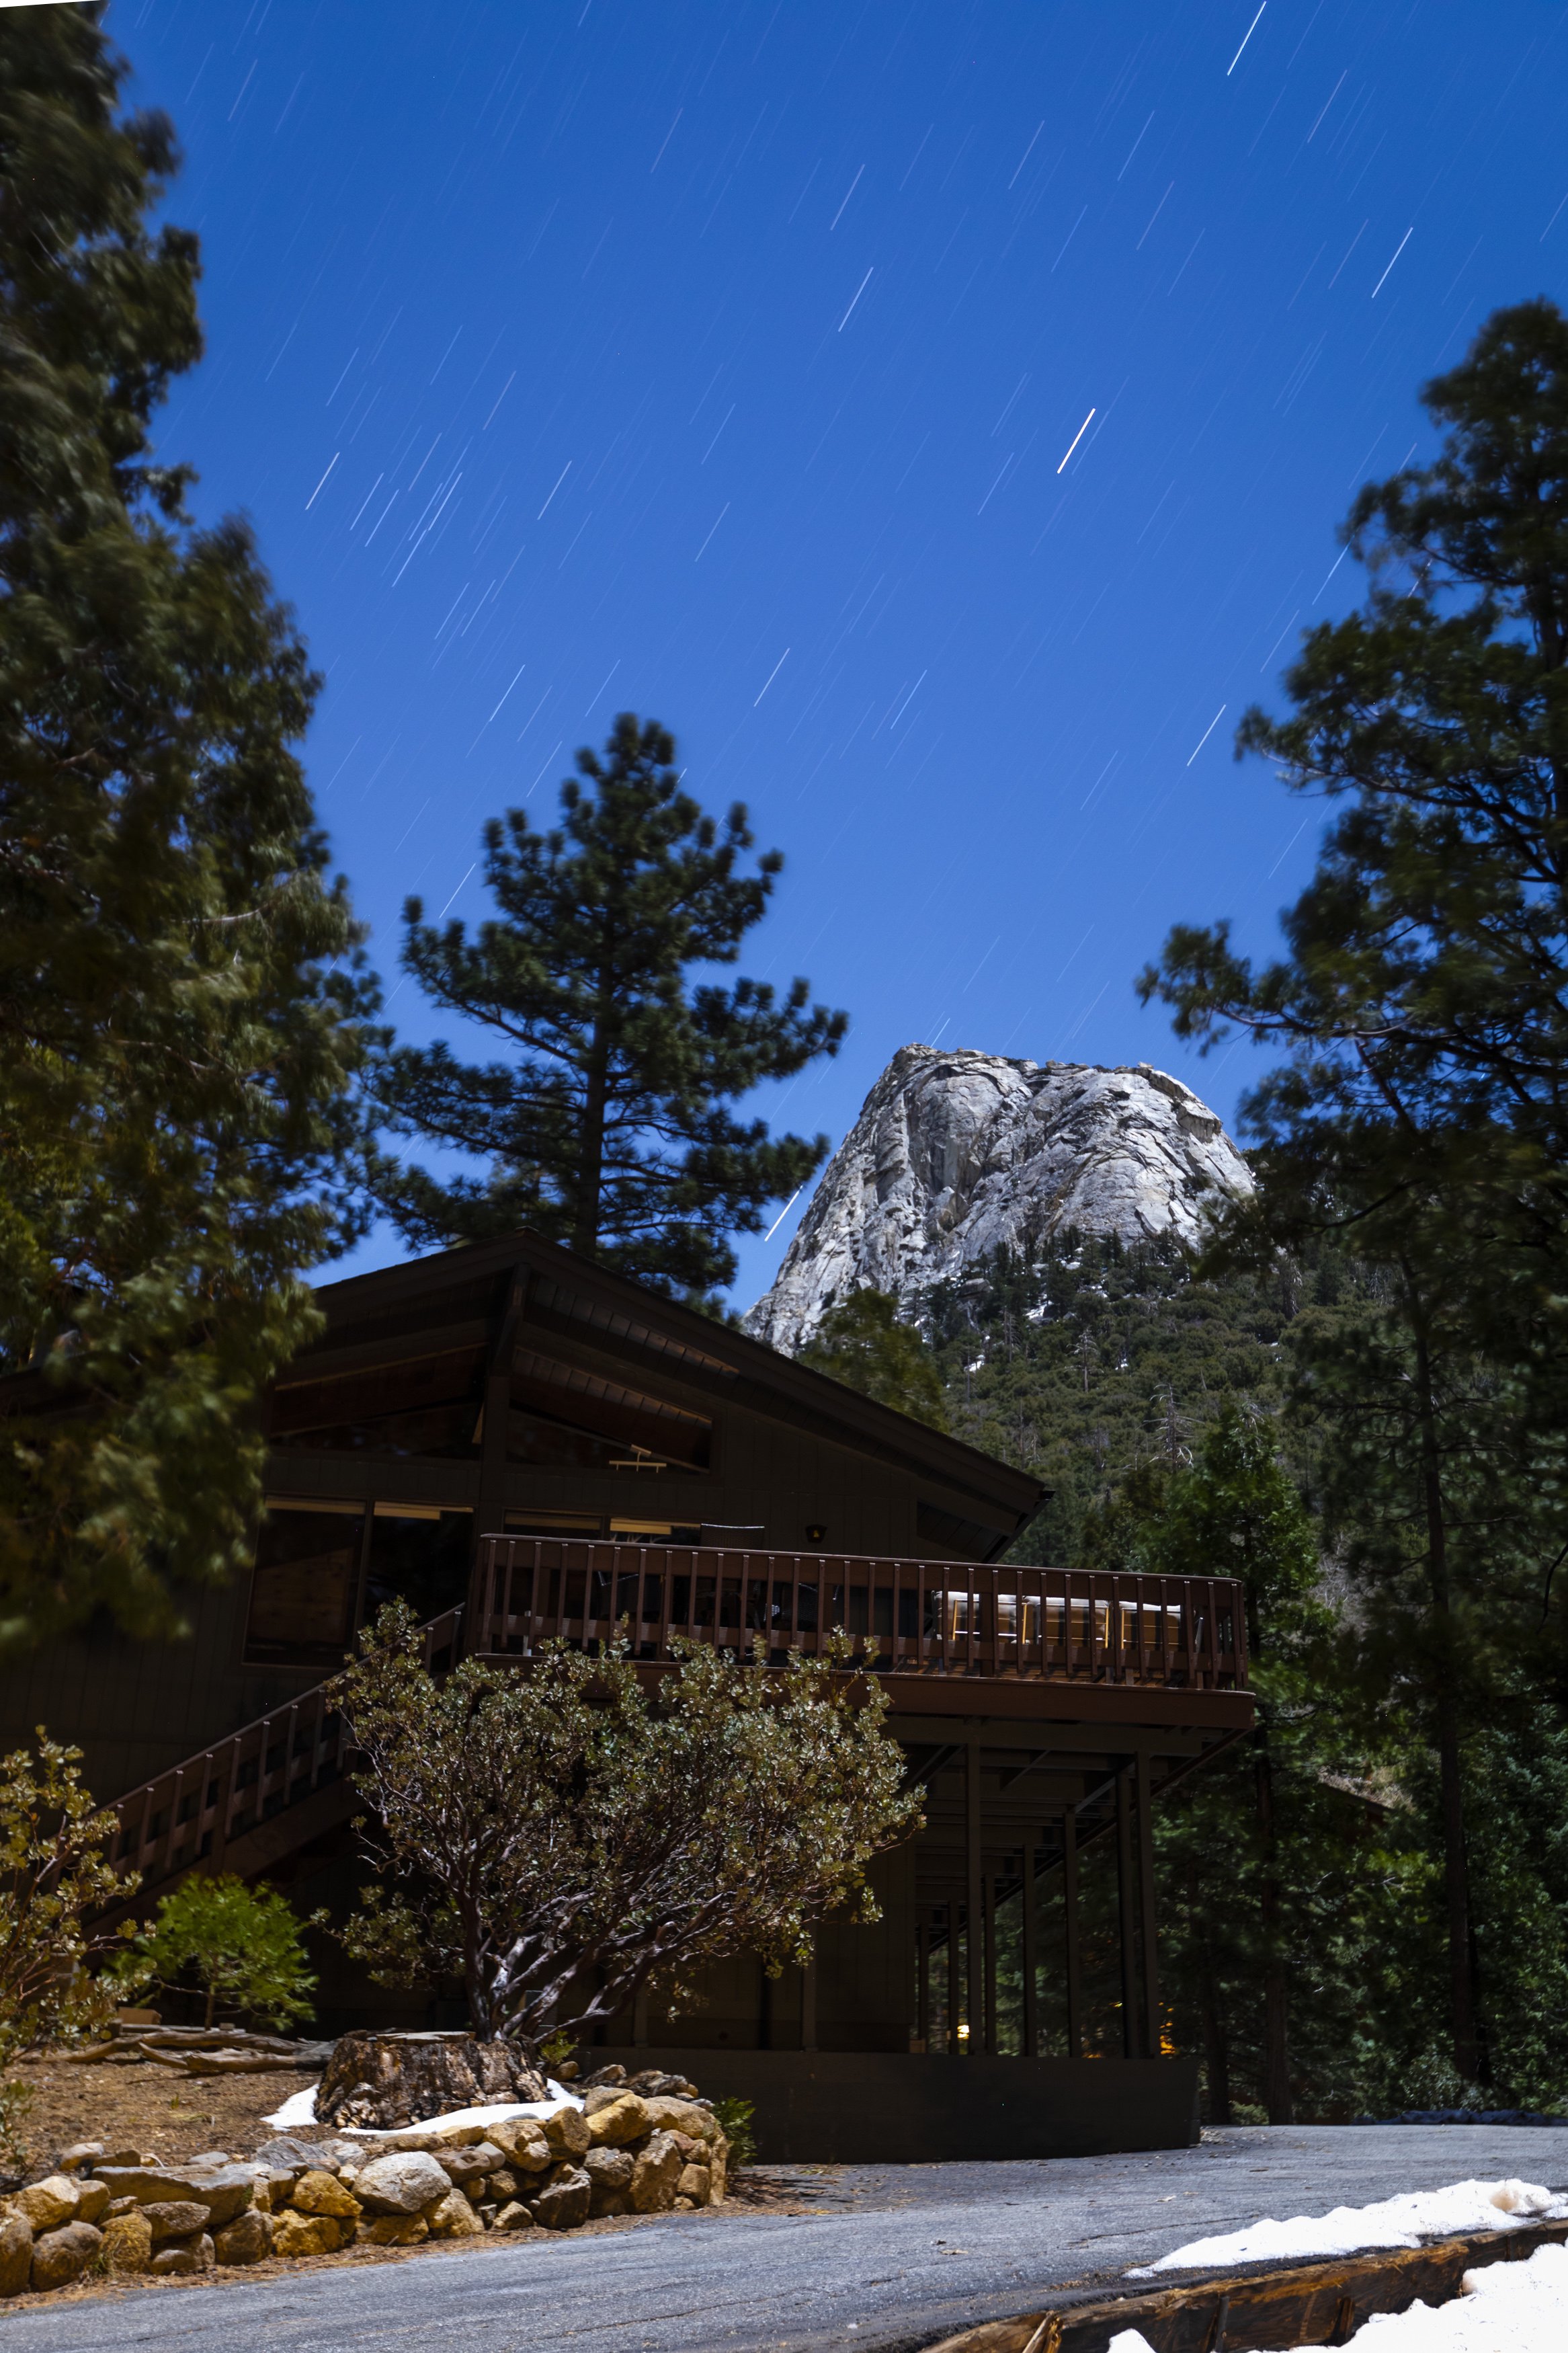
(1392, 2222)
(1501, 2309)
(299, 2108)
(499, 2111)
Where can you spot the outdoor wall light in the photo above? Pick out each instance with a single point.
(815, 1531)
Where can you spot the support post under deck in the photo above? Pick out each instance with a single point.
(1146, 1911)
(1069, 1910)
(1028, 1899)
(974, 1874)
(1130, 2035)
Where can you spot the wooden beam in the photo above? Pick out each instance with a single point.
(1146, 1912)
(1130, 2035)
(1069, 1911)
(1029, 1902)
(974, 1868)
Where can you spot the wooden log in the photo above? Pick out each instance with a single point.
(1255, 2312)
(385, 2080)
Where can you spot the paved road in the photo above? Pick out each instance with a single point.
(890, 2258)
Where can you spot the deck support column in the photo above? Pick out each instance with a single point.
(1146, 1910)
(991, 1964)
(955, 1988)
(1028, 1899)
(808, 2003)
(639, 2018)
(1069, 1923)
(922, 1986)
(1131, 2038)
(974, 1953)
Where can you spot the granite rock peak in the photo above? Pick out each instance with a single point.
(955, 1153)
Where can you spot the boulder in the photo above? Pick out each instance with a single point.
(694, 2183)
(523, 2143)
(128, 2240)
(395, 2230)
(564, 2200)
(48, 2203)
(62, 2255)
(221, 2191)
(405, 2183)
(92, 2202)
(81, 2152)
(246, 2240)
(566, 2132)
(16, 2253)
(307, 2235)
(667, 2115)
(393, 2079)
(465, 2165)
(454, 2217)
(622, 2118)
(513, 2217)
(322, 2193)
(174, 2218)
(653, 2176)
(653, 2084)
(180, 2256)
(610, 2172)
(505, 2183)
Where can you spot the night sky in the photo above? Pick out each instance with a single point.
(940, 415)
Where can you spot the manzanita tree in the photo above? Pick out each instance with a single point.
(554, 1836)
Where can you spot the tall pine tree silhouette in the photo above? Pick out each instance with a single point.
(608, 1125)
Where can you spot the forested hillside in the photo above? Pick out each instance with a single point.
(1099, 1359)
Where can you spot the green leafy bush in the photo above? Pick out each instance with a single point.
(735, 2122)
(243, 1947)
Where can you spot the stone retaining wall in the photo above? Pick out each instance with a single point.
(643, 2146)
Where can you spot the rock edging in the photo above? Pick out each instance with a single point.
(646, 2144)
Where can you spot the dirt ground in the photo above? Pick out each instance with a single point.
(148, 2108)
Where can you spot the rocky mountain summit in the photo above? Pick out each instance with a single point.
(954, 1153)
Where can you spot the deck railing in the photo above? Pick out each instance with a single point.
(918, 1617)
(190, 1813)
(932, 1618)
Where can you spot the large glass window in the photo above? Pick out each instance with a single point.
(303, 1592)
(430, 1407)
(420, 1555)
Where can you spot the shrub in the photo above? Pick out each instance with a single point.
(243, 1947)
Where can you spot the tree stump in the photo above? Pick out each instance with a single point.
(385, 2080)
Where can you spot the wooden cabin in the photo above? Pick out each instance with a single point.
(524, 1446)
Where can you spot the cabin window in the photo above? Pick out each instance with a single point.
(431, 1406)
(305, 1578)
(420, 1554)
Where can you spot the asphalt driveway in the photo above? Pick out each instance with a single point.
(887, 2257)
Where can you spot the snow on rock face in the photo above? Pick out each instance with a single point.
(955, 1153)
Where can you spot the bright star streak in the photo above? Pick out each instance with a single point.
(1078, 437)
(1245, 39)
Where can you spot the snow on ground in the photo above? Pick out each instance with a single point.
(301, 2109)
(1501, 2309)
(1402, 2222)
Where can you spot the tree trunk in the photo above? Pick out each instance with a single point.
(1277, 2096)
(1456, 1869)
(591, 1166)
(1216, 2050)
(401, 2079)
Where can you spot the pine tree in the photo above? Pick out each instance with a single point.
(177, 1003)
(862, 1342)
(608, 1128)
(1421, 1111)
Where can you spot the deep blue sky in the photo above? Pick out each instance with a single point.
(718, 359)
